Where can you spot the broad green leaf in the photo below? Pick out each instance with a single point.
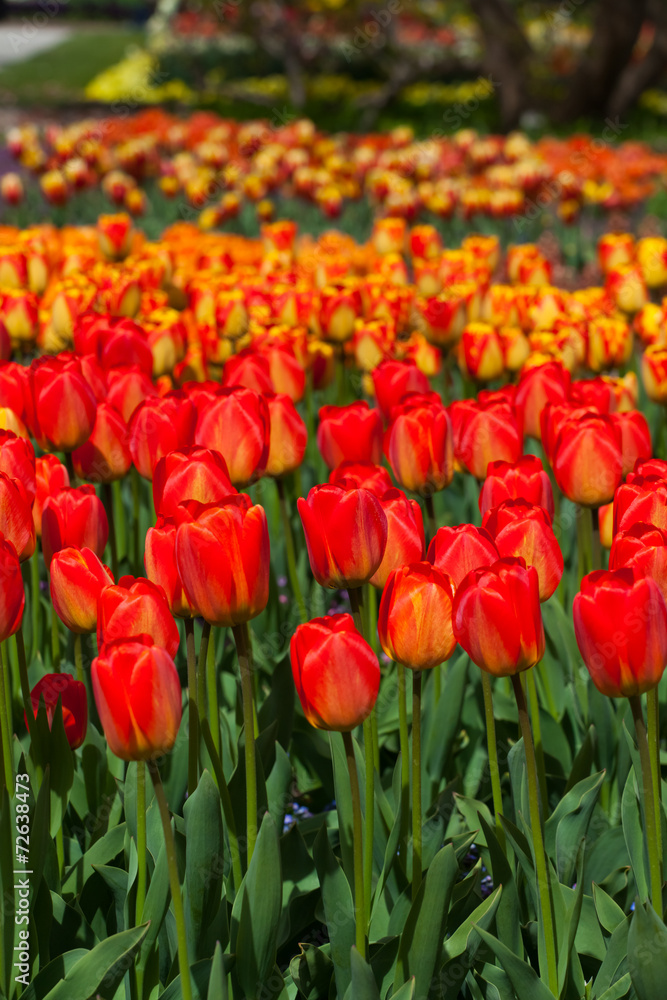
(204, 848)
(609, 912)
(633, 831)
(52, 974)
(363, 985)
(481, 916)
(568, 824)
(101, 853)
(106, 964)
(421, 941)
(647, 952)
(523, 977)
(312, 971)
(615, 961)
(338, 909)
(257, 911)
(443, 725)
(217, 984)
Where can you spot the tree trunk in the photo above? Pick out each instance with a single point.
(506, 58)
(637, 77)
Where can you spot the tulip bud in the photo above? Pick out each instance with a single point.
(480, 352)
(74, 516)
(643, 549)
(547, 383)
(159, 426)
(620, 623)
(361, 475)
(644, 499)
(77, 580)
(17, 460)
(497, 617)
(336, 673)
(587, 459)
(351, 433)
(288, 436)
(405, 535)
(392, 380)
(418, 444)
(138, 698)
(160, 562)
(457, 551)
(50, 477)
(635, 438)
(191, 474)
(12, 594)
(654, 373)
(235, 589)
(74, 701)
(16, 522)
(522, 480)
(346, 534)
(415, 616)
(237, 424)
(60, 405)
(522, 529)
(486, 430)
(105, 456)
(136, 607)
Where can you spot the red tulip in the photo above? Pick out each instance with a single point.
(127, 388)
(17, 460)
(361, 475)
(77, 580)
(642, 500)
(336, 673)
(522, 480)
(650, 467)
(405, 535)
(620, 622)
(542, 384)
(287, 373)
(594, 393)
(138, 698)
(346, 534)
(160, 562)
(415, 616)
(136, 607)
(236, 423)
(159, 425)
(74, 700)
(12, 594)
(106, 454)
(350, 433)
(60, 404)
(635, 438)
(16, 522)
(418, 444)
(486, 430)
(457, 551)
(392, 380)
(75, 516)
(497, 617)
(288, 436)
(554, 416)
(50, 477)
(587, 459)
(191, 474)
(250, 369)
(524, 529)
(231, 590)
(643, 549)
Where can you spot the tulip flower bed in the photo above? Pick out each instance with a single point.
(334, 578)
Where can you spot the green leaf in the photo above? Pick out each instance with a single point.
(363, 985)
(633, 832)
(106, 964)
(406, 992)
(620, 989)
(508, 916)
(204, 847)
(647, 952)
(523, 977)
(49, 747)
(568, 823)
(422, 937)
(481, 916)
(615, 961)
(338, 908)
(609, 912)
(49, 977)
(217, 984)
(101, 853)
(312, 971)
(443, 727)
(278, 785)
(257, 911)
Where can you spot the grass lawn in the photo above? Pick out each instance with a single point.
(60, 74)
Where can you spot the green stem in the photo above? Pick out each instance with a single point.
(369, 828)
(107, 498)
(34, 603)
(372, 633)
(78, 658)
(437, 682)
(60, 851)
(653, 713)
(354, 594)
(543, 883)
(228, 812)
(596, 545)
(212, 693)
(416, 783)
(537, 735)
(136, 515)
(55, 640)
(492, 744)
(242, 639)
(289, 551)
(404, 743)
(69, 465)
(201, 670)
(141, 843)
(25, 684)
(359, 907)
(5, 722)
(193, 711)
(174, 884)
(654, 860)
(430, 514)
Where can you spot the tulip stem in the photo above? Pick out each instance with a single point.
(437, 682)
(541, 869)
(416, 783)
(227, 811)
(359, 907)
(69, 465)
(404, 743)
(78, 658)
(5, 722)
(596, 547)
(174, 884)
(107, 498)
(653, 713)
(487, 689)
(430, 514)
(372, 621)
(193, 711)
(654, 859)
(23, 674)
(55, 640)
(354, 594)
(242, 639)
(369, 830)
(201, 670)
(136, 514)
(140, 898)
(212, 693)
(290, 552)
(534, 702)
(34, 604)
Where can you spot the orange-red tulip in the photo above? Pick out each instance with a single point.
(74, 701)
(523, 529)
(415, 616)
(351, 433)
(77, 580)
(587, 459)
(74, 516)
(457, 551)
(418, 444)
(133, 608)
(190, 474)
(12, 594)
(405, 535)
(105, 456)
(522, 480)
(236, 423)
(288, 436)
